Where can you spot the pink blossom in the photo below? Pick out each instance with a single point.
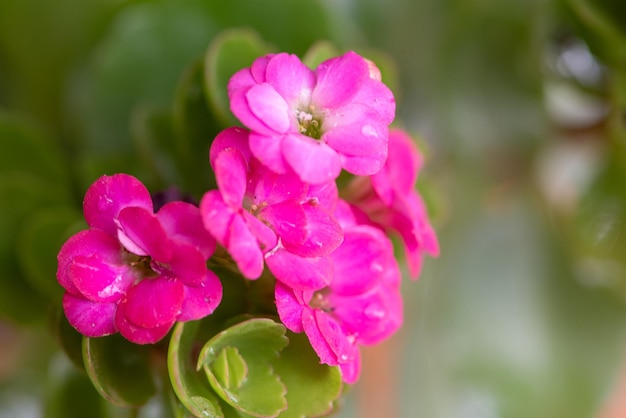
(134, 271)
(390, 200)
(314, 122)
(259, 215)
(362, 304)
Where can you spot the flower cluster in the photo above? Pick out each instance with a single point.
(277, 208)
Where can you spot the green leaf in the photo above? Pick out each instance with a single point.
(229, 52)
(312, 388)
(38, 245)
(20, 196)
(119, 370)
(229, 368)
(319, 52)
(70, 340)
(138, 62)
(290, 25)
(190, 387)
(26, 150)
(258, 342)
(195, 127)
(72, 395)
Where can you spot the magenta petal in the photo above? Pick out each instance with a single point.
(187, 264)
(137, 334)
(231, 173)
(299, 272)
(318, 341)
(290, 77)
(350, 371)
(361, 260)
(313, 161)
(287, 220)
(242, 79)
(373, 316)
(265, 236)
(272, 188)
(339, 79)
(323, 232)
(269, 107)
(244, 249)
(289, 308)
(182, 222)
(216, 216)
(354, 130)
(98, 281)
(92, 319)
(141, 233)
(378, 97)
(92, 243)
(268, 150)
(108, 195)
(230, 138)
(154, 302)
(241, 109)
(200, 301)
(364, 166)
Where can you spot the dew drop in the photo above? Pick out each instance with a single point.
(104, 203)
(374, 311)
(368, 130)
(376, 267)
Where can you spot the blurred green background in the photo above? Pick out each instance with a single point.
(519, 106)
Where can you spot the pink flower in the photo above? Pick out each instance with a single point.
(259, 215)
(314, 122)
(361, 305)
(390, 200)
(134, 271)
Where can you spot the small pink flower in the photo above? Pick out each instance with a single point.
(134, 271)
(314, 122)
(390, 200)
(362, 304)
(259, 215)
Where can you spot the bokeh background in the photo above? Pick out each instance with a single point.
(518, 105)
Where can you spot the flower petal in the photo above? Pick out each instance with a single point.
(108, 195)
(200, 301)
(288, 220)
(339, 79)
(361, 260)
(269, 107)
(300, 272)
(233, 137)
(244, 248)
(154, 302)
(351, 370)
(313, 161)
(216, 215)
(268, 150)
(355, 130)
(187, 264)
(92, 319)
(92, 243)
(289, 308)
(293, 80)
(141, 233)
(231, 173)
(137, 334)
(98, 281)
(182, 222)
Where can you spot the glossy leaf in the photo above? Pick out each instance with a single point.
(194, 126)
(119, 370)
(20, 196)
(258, 342)
(229, 52)
(312, 388)
(38, 244)
(190, 386)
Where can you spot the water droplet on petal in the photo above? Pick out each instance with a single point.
(374, 311)
(104, 203)
(376, 267)
(368, 130)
